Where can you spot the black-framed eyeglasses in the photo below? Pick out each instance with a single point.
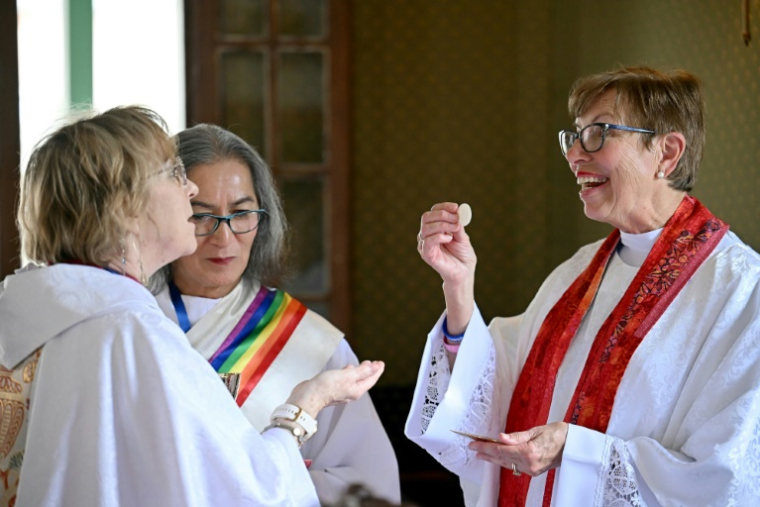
(592, 136)
(241, 222)
(177, 169)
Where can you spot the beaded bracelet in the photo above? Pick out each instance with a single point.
(451, 347)
(451, 343)
(453, 339)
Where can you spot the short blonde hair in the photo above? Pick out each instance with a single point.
(85, 180)
(661, 101)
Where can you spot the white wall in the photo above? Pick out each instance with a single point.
(43, 69)
(138, 58)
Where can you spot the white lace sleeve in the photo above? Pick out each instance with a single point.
(478, 418)
(438, 384)
(619, 485)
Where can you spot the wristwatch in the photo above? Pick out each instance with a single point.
(294, 419)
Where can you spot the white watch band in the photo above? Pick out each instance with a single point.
(297, 415)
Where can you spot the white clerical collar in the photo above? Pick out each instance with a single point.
(634, 248)
(197, 307)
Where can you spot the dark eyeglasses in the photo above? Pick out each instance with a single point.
(592, 136)
(241, 222)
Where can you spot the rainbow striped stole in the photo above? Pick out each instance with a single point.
(255, 342)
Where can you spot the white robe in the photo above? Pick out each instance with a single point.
(685, 424)
(112, 420)
(350, 446)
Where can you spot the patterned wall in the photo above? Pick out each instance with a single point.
(461, 100)
(703, 36)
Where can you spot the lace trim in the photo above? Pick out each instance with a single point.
(438, 384)
(478, 419)
(621, 489)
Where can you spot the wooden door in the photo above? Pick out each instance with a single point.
(9, 139)
(275, 72)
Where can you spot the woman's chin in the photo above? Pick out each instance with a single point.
(190, 250)
(593, 213)
(221, 276)
(172, 255)
(220, 287)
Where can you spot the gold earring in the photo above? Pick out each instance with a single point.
(123, 258)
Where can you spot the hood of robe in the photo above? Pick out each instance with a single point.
(38, 303)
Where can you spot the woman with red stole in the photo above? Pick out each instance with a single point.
(633, 378)
(259, 339)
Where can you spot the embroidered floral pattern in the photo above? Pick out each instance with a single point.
(654, 286)
(683, 249)
(15, 389)
(477, 420)
(620, 486)
(438, 384)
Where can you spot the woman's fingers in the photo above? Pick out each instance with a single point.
(518, 437)
(447, 206)
(442, 218)
(430, 244)
(349, 383)
(333, 387)
(533, 452)
(498, 454)
(369, 373)
(443, 243)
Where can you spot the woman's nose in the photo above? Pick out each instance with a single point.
(576, 154)
(223, 233)
(192, 189)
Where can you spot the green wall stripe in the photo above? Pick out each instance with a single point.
(80, 51)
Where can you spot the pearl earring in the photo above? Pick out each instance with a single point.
(660, 174)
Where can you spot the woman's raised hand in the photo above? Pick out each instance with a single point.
(443, 243)
(333, 387)
(445, 246)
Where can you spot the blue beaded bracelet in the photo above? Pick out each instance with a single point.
(451, 339)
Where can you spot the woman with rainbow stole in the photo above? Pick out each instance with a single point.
(633, 378)
(94, 378)
(259, 339)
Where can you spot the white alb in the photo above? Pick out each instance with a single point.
(685, 424)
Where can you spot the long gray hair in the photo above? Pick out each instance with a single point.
(209, 144)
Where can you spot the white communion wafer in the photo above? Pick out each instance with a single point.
(465, 214)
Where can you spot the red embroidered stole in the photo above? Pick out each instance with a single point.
(687, 240)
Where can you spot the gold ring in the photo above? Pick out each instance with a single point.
(515, 471)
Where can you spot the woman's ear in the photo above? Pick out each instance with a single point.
(672, 146)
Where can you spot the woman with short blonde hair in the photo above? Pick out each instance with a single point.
(94, 378)
(85, 182)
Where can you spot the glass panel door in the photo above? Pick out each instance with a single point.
(248, 18)
(242, 96)
(301, 107)
(266, 70)
(303, 18)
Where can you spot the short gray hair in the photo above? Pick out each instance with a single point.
(208, 144)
